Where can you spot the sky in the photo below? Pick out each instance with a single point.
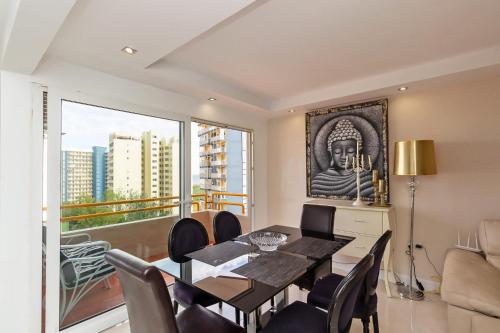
(85, 126)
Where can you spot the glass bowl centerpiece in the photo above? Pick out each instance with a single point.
(267, 240)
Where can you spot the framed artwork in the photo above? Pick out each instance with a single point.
(332, 135)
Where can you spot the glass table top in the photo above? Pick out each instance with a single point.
(264, 276)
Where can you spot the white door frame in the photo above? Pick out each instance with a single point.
(55, 98)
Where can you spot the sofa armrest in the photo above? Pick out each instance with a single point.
(471, 283)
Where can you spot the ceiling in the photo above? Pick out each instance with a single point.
(279, 54)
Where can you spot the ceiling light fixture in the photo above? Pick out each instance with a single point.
(291, 110)
(129, 50)
(403, 88)
(212, 99)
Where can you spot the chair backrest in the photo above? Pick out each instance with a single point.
(317, 219)
(345, 296)
(146, 295)
(378, 252)
(226, 227)
(186, 235)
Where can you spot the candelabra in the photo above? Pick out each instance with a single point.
(358, 166)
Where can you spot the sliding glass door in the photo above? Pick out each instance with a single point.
(114, 180)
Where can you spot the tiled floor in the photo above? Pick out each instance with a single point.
(395, 315)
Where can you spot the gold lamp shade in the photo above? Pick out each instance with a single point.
(414, 158)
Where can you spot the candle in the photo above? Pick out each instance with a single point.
(353, 162)
(346, 162)
(362, 161)
(374, 175)
(381, 186)
(369, 161)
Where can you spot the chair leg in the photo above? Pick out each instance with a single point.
(375, 322)
(237, 316)
(176, 307)
(220, 305)
(366, 324)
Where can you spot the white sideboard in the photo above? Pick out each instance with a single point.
(366, 224)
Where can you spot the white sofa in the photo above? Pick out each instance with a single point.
(471, 284)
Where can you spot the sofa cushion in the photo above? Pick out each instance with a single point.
(471, 283)
(489, 239)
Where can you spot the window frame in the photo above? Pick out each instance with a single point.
(56, 97)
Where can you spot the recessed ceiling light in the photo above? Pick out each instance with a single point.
(212, 99)
(129, 50)
(403, 88)
(291, 110)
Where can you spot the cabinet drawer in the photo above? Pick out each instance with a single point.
(358, 221)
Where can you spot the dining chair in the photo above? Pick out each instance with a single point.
(316, 221)
(226, 227)
(366, 305)
(300, 317)
(148, 301)
(187, 235)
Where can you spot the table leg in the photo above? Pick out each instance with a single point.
(281, 299)
(252, 321)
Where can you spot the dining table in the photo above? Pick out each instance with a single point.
(244, 277)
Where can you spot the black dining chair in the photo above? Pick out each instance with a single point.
(148, 301)
(187, 235)
(316, 221)
(226, 227)
(300, 317)
(366, 305)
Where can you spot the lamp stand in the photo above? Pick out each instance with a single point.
(408, 291)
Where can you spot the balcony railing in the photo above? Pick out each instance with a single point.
(218, 202)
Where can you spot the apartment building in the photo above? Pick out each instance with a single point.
(169, 167)
(150, 164)
(223, 160)
(76, 175)
(123, 171)
(99, 157)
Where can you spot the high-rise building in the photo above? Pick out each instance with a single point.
(169, 167)
(123, 172)
(99, 156)
(76, 175)
(150, 164)
(223, 161)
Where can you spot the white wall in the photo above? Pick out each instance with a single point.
(20, 230)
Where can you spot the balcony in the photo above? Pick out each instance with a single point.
(218, 150)
(218, 163)
(145, 238)
(215, 175)
(218, 137)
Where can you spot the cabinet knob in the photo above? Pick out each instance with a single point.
(360, 221)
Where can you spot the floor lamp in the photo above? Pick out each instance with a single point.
(413, 158)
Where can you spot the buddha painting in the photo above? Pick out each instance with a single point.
(339, 179)
(333, 138)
